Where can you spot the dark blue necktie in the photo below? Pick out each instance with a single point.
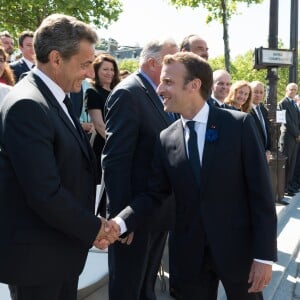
(261, 119)
(68, 104)
(194, 157)
(295, 104)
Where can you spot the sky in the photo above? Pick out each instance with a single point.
(143, 20)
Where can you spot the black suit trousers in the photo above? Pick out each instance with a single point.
(53, 291)
(296, 176)
(290, 149)
(206, 287)
(144, 258)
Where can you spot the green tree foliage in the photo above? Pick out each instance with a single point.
(218, 10)
(128, 64)
(20, 15)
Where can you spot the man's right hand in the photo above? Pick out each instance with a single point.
(109, 233)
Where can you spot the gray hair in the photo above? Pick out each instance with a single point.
(255, 83)
(63, 34)
(218, 73)
(154, 49)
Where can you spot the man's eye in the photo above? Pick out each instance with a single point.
(84, 66)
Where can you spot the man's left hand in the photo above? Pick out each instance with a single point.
(260, 275)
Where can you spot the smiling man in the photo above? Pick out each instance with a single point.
(8, 43)
(220, 88)
(47, 169)
(223, 234)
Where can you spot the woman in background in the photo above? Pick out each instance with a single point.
(6, 74)
(240, 96)
(106, 78)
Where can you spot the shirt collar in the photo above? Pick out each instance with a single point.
(148, 79)
(200, 117)
(218, 101)
(55, 89)
(28, 63)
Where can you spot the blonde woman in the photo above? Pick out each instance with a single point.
(240, 96)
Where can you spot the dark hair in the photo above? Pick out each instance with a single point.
(97, 64)
(196, 68)
(124, 72)
(23, 35)
(8, 74)
(62, 33)
(185, 44)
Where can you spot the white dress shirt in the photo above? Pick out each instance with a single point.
(218, 101)
(200, 128)
(28, 63)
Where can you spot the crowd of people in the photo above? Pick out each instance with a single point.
(182, 151)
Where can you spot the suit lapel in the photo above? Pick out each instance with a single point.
(154, 98)
(257, 121)
(51, 99)
(24, 66)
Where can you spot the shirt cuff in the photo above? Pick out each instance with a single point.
(267, 262)
(121, 223)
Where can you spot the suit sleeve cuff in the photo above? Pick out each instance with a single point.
(267, 262)
(121, 223)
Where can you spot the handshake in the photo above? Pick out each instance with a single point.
(109, 233)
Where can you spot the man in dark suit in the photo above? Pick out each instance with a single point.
(25, 63)
(260, 115)
(227, 232)
(296, 175)
(47, 170)
(220, 89)
(134, 118)
(290, 135)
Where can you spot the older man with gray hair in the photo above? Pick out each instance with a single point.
(134, 119)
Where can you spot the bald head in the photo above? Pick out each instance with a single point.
(221, 84)
(291, 90)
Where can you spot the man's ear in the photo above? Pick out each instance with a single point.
(55, 58)
(152, 63)
(196, 84)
